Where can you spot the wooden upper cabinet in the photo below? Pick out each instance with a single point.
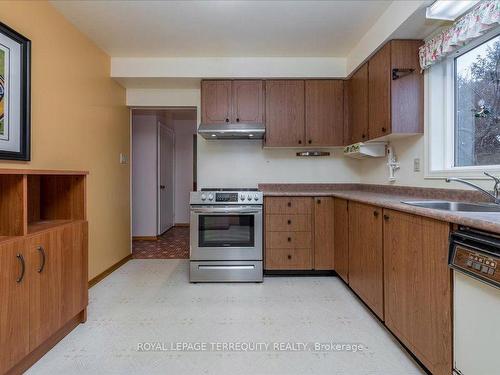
(324, 112)
(216, 102)
(341, 238)
(248, 102)
(379, 93)
(395, 101)
(358, 105)
(366, 255)
(417, 287)
(323, 233)
(285, 125)
(14, 309)
(407, 92)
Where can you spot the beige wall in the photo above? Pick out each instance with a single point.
(79, 121)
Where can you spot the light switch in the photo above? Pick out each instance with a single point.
(123, 158)
(416, 165)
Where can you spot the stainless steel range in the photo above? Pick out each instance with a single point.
(226, 235)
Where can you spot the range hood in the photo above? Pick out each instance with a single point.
(232, 131)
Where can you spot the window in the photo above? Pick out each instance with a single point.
(477, 105)
(462, 135)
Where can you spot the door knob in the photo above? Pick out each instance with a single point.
(162, 187)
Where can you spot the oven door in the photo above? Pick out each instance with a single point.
(226, 233)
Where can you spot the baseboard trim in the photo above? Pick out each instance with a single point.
(145, 238)
(106, 272)
(181, 225)
(48, 344)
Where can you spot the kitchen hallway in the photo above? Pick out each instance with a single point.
(173, 244)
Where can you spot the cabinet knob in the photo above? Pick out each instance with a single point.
(310, 141)
(384, 130)
(318, 201)
(363, 136)
(386, 217)
(300, 142)
(237, 120)
(289, 204)
(289, 222)
(375, 213)
(289, 239)
(289, 256)
(227, 120)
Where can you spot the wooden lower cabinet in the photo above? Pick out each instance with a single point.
(299, 233)
(14, 305)
(341, 238)
(366, 255)
(323, 233)
(45, 271)
(417, 287)
(52, 292)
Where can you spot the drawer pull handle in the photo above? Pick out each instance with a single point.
(289, 204)
(23, 267)
(42, 252)
(289, 239)
(289, 256)
(289, 222)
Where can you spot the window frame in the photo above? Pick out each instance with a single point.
(440, 140)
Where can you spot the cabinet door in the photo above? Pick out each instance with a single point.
(365, 255)
(74, 270)
(417, 284)
(341, 238)
(379, 88)
(358, 106)
(323, 234)
(285, 113)
(248, 102)
(45, 289)
(215, 102)
(14, 305)
(324, 112)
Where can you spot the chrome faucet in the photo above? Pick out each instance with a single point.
(496, 189)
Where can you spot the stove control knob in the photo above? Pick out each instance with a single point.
(256, 197)
(210, 197)
(242, 197)
(203, 197)
(249, 197)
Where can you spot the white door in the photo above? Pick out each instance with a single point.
(165, 179)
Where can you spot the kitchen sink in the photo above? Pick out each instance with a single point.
(456, 206)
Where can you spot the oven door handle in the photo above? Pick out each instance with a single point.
(235, 210)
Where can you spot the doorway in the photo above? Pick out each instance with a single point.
(163, 175)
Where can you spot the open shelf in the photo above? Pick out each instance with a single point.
(12, 213)
(54, 200)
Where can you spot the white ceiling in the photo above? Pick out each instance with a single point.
(223, 28)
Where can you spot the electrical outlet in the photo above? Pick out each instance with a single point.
(123, 158)
(416, 165)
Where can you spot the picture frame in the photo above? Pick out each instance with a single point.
(15, 95)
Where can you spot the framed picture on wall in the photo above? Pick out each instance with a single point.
(15, 64)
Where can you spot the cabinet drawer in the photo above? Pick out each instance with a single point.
(288, 240)
(288, 205)
(288, 259)
(288, 223)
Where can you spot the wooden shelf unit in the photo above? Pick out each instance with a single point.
(43, 262)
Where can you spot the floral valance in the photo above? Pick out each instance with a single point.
(484, 16)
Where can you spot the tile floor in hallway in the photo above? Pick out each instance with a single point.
(152, 301)
(173, 244)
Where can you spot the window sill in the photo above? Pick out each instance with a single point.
(469, 173)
